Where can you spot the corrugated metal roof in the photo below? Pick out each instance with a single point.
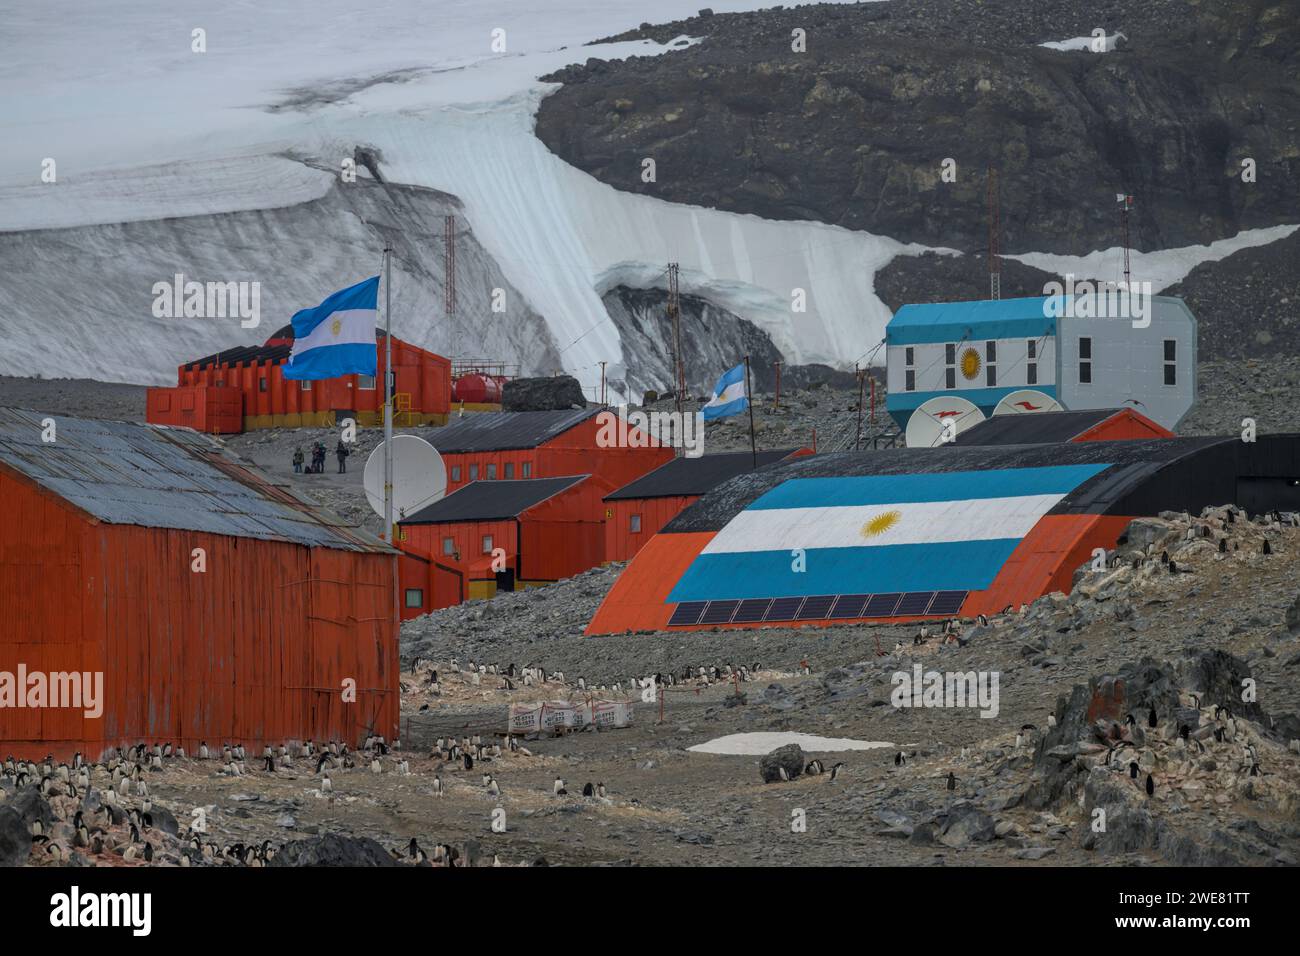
(504, 431)
(492, 500)
(159, 477)
(1034, 429)
(695, 476)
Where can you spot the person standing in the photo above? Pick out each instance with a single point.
(298, 459)
(341, 452)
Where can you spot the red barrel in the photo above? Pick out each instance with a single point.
(477, 389)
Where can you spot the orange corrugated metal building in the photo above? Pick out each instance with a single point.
(500, 535)
(548, 444)
(421, 389)
(98, 576)
(213, 409)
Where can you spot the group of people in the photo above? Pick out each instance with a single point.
(318, 458)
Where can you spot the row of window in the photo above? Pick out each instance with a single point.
(490, 471)
(970, 363)
(366, 382)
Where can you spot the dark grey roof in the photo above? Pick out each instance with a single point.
(492, 500)
(158, 477)
(502, 431)
(1036, 428)
(695, 476)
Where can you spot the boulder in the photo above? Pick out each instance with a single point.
(967, 824)
(542, 394)
(333, 850)
(790, 757)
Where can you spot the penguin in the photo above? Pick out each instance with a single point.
(1151, 785)
(468, 761)
(326, 785)
(437, 786)
(1020, 739)
(785, 774)
(952, 781)
(600, 790)
(493, 788)
(1151, 718)
(1051, 720)
(588, 790)
(835, 770)
(898, 759)
(1133, 770)
(558, 788)
(814, 768)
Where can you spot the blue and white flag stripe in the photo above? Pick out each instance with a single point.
(729, 396)
(874, 534)
(337, 337)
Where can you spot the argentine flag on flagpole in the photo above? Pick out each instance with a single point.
(337, 337)
(729, 396)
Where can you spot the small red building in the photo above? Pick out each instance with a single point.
(500, 535)
(636, 512)
(1037, 428)
(421, 390)
(204, 602)
(492, 446)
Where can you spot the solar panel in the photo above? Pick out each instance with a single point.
(816, 608)
(881, 605)
(947, 602)
(751, 610)
(687, 613)
(849, 605)
(719, 612)
(914, 602)
(784, 609)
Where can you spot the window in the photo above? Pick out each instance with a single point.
(1031, 373)
(1032, 349)
(510, 469)
(455, 472)
(528, 469)
(909, 372)
(491, 472)
(365, 381)
(1031, 366)
(950, 354)
(473, 472)
(634, 524)
(306, 385)
(261, 384)
(487, 544)
(909, 356)
(950, 377)
(448, 545)
(1171, 363)
(1085, 361)
(990, 363)
(950, 359)
(414, 597)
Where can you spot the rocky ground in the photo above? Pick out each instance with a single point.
(966, 790)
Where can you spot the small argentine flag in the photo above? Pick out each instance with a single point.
(337, 337)
(729, 396)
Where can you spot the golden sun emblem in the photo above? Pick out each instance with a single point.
(970, 363)
(881, 523)
(336, 326)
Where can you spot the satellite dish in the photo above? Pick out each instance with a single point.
(1028, 401)
(419, 476)
(928, 427)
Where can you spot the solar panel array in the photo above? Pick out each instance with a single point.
(819, 607)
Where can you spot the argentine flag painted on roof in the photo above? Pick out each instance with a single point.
(337, 337)
(877, 534)
(729, 396)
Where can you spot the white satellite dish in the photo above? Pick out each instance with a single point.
(939, 420)
(1028, 401)
(419, 476)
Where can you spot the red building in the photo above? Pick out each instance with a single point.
(636, 512)
(1090, 424)
(212, 604)
(421, 396)
(494, 446)
(500, 535)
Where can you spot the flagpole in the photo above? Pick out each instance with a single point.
(749, 399)
(388, 392)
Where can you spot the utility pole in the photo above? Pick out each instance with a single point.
(449, 267)
(603, 399)
(1126, 204)
(674, 316)
(995, 230)
(857, 441)
(777, 364)
(388, 392)
(749, 400)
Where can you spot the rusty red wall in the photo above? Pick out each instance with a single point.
(563, 535)
(253, 650)
(205, 408)
(621, 543)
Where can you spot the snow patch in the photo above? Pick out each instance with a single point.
(759, 744)
(1108, 44)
